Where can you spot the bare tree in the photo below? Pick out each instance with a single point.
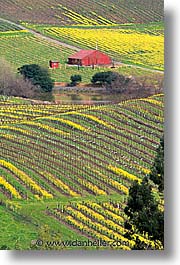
(7, 77)
(24, 88)
(12, 84)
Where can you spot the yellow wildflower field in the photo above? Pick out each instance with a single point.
(126, 45)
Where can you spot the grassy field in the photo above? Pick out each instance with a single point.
(72, 165)
(11, 223)
(65, 12)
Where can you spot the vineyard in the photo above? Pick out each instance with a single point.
(89, 12)
(4, 27)
(66, 169)
(82, 157)
(19, 47)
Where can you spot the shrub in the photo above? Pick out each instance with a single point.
(113, 81)
(75, 79)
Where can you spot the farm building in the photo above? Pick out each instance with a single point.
(89, 57)
(53, 64)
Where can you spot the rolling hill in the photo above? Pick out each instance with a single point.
(74, 164)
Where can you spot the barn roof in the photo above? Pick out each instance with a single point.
(82, 54)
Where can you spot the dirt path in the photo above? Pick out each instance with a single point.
(74, 47)
(140, 67)
(41, 36)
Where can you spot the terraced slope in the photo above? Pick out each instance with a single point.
(63, 12)
(75, 152)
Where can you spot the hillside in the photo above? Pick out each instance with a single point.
(79, 160)
(65, 12)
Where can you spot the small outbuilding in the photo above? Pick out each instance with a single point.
(54, 64)
(89, 58)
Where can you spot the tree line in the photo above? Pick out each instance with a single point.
(34, 81)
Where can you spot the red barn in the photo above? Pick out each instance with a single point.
(53, 64)
(89, 57)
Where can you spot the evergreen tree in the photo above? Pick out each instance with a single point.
(143, 213)
(38, 75)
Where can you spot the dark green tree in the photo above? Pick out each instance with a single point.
(103, 78)
(143, 213)
(75, 79)
(113, 81)
(38, 75)
(157, 171)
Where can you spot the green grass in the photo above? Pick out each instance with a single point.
(18, 230)
(15, 232)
